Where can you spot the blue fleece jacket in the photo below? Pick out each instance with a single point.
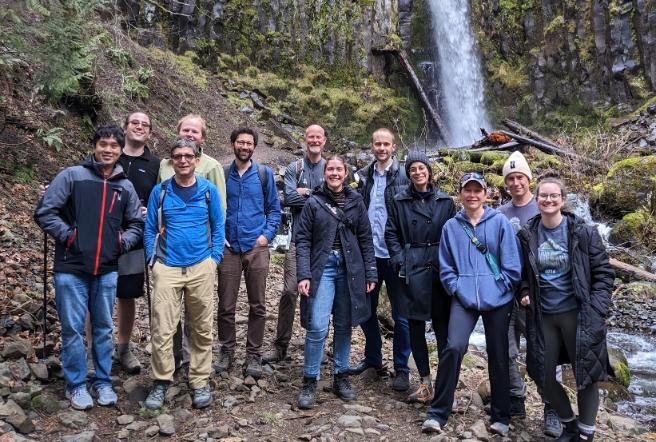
(186, 240)
(464, 271)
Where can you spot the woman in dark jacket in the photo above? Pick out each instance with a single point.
(567, 291)
(412, 234)
(335, 268)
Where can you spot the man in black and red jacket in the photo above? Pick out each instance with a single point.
(94, 214)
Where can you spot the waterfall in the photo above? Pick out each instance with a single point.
(461, 81)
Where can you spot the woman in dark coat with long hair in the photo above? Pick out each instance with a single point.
(412, 234)
(567, 290)
(336, 269)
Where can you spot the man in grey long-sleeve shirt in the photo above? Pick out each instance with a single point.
(301, 178)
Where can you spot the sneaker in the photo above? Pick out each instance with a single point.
(80, 398)
(499, 428)
(226, 358)
(342, 387)
(401, 381)
(431, 426)
(423, 395)
(155, 399)
(552, 425)
(307, 393)
(517, 407)
(104, 394)
(128, 361)
(276, 355)
(253, 366)
(201, 397)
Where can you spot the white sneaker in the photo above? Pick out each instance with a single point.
(431, 426)
(80, 398)
(105, 394)
(500, 429)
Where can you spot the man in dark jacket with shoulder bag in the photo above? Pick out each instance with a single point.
(94, 214)
(378, 183)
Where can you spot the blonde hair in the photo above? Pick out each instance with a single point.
(203, 124)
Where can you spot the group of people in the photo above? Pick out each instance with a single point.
(528, 268)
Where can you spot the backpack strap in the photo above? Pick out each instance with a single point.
(491, 260)
(300, 166)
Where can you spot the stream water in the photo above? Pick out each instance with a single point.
(461, 80)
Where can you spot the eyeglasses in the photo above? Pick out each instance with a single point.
(182, 156)
(551, 196)
(244, 143)
(140, 123)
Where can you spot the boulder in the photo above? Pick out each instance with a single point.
(17, 348)
(627, 186)
(620, 366)
(73, 418)
(45, 403)
(39, 371)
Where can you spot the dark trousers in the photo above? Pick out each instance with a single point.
(516, 328)
(440, 313)
(461, 325)
(288, 298)
(560, 332)
(373, 350)
(255, 266)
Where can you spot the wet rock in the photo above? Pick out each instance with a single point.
(85, 436)
(46, 403)
(480, 430)
(39, 371)
(125, 419)
(166, 424)
(17, 348)
(73, 418)
(620, 366)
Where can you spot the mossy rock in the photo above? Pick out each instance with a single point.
(489, 158)
(45, 403)
(548, 162)
(474, 361)
(497, 166)
(630, 228)
(468, 166)
(457, 154)
(620, 366)
(627, 186)
(494, 180)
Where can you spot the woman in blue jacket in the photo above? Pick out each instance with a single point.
(336, 269)
(480, 268)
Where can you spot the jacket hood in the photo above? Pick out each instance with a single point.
(91, 163)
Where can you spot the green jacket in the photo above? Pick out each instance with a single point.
(208, 168)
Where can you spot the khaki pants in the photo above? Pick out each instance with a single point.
(171, 287)
(254, 264)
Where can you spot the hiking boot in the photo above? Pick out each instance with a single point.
(307, 393)
(226, 358)
(423, 394)
(79, 397)
(155, 399)
(105, 394)
(201, 397)
(253, 366)
(276, 355)
(517, 407)
(127, 360)
(342, 387)
(401, 381)
(552, 425)
(570, 433)
(431, 426)
(361, 366)
(499, 428)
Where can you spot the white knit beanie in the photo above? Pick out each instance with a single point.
(517, 163)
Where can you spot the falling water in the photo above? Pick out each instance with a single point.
(460, 72)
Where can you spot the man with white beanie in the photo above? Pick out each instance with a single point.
(522, 207)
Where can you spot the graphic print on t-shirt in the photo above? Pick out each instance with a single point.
(553, 259)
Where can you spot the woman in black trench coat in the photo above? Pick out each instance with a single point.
(414, 225)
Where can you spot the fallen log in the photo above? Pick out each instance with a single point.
(633, 271)
(523, 130)
(552, 150)
(402, 56)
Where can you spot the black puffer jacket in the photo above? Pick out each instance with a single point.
(396, 180)
(314, 239)
(412, 235)
(592, 279)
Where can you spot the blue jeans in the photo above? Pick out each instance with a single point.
(333, 296)
(75, 295)
(373, 350)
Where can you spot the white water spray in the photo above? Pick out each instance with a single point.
(460, 72)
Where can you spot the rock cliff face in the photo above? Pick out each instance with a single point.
(560, 53)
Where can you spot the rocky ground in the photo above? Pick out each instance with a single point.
(33, 408)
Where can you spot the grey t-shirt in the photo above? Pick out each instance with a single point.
(519, 215)
(555, 267)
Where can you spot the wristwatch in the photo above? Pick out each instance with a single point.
(308, 192)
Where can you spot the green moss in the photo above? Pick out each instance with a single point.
(627, 185)
(277, 259)
(494, 180)
(468, 166)
(555, 26)
(512, 76)
(490, 158)
(183, 65)
(548, 162)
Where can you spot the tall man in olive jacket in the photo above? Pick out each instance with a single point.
(93, 213)
(377, 183)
